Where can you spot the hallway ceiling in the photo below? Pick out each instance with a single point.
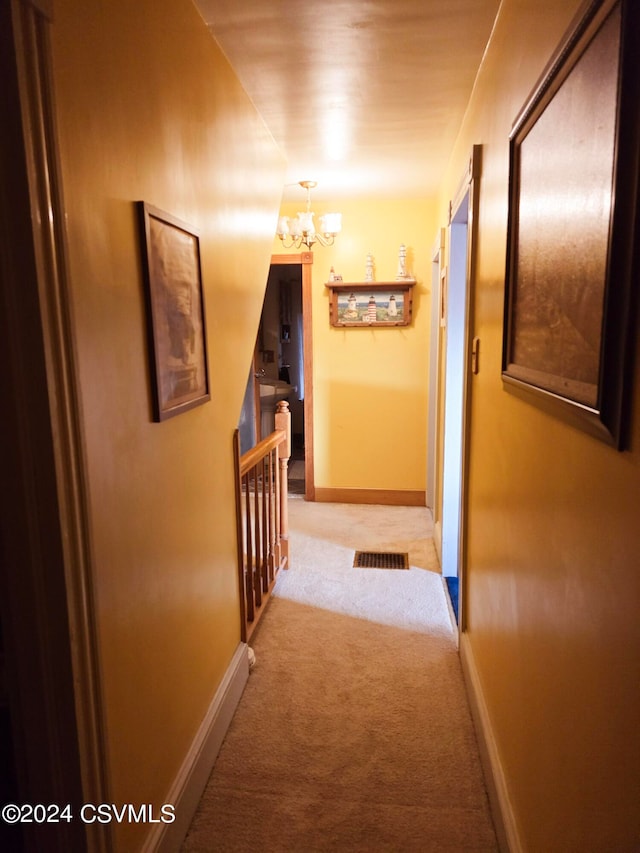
(364, 97)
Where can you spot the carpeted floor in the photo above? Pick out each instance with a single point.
(356, 702)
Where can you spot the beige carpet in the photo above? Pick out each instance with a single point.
(353, 733)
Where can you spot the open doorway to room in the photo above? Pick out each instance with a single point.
(282, 367)
(279, 361)
(457, 354)
(454, 414)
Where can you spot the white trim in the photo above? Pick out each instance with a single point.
(504, 818)
(437, 266)
(186, 790)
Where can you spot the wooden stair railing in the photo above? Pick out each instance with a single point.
(262, 517)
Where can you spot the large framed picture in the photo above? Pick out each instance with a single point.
(574, 165)
(175, 313)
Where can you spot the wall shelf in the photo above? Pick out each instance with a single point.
(367, 304)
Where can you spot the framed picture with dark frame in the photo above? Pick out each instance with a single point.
(175, 313)
(573, 223)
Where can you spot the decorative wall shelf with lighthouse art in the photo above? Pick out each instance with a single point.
(363, 304)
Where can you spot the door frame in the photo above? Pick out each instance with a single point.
(305, 260)
(438, 273)
(257, 408)
(463, 209)
(48, 618)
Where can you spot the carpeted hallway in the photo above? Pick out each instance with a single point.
(353, 733)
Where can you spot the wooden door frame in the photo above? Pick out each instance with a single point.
(257, 408)
(48, 619)
(305, 260)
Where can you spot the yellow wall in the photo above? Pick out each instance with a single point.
(554, 540)
(371, 385)
(149, 109)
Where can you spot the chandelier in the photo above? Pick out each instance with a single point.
(301, 230)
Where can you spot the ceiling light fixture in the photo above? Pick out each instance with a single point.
(301, 230)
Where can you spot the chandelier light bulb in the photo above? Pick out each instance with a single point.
(300, 230)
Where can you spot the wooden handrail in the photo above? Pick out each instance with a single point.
(256, 454)
(262, 517)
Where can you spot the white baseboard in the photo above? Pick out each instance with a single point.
(503, 815)
(187, 788)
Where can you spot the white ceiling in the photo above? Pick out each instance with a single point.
(364, 97)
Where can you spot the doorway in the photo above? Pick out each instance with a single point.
(279, 362)
(51, 743)
(283, 354)
(305, 261)
(456, 384)
(434, 438)
(454, 402)
(454, 391)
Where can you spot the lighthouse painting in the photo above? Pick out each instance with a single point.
(369, 308)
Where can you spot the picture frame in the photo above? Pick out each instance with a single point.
(572, 225)
(365, 305)
(174, 300)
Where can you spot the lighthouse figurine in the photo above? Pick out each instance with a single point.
(368, 273)
(402, 263)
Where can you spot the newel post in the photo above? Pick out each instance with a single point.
(283, 422)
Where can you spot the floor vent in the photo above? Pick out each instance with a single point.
(380, 560)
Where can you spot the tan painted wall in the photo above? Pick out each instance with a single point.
(371, 385)
(554, 538)
(149, 109)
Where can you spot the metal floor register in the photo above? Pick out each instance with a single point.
(380, 560)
